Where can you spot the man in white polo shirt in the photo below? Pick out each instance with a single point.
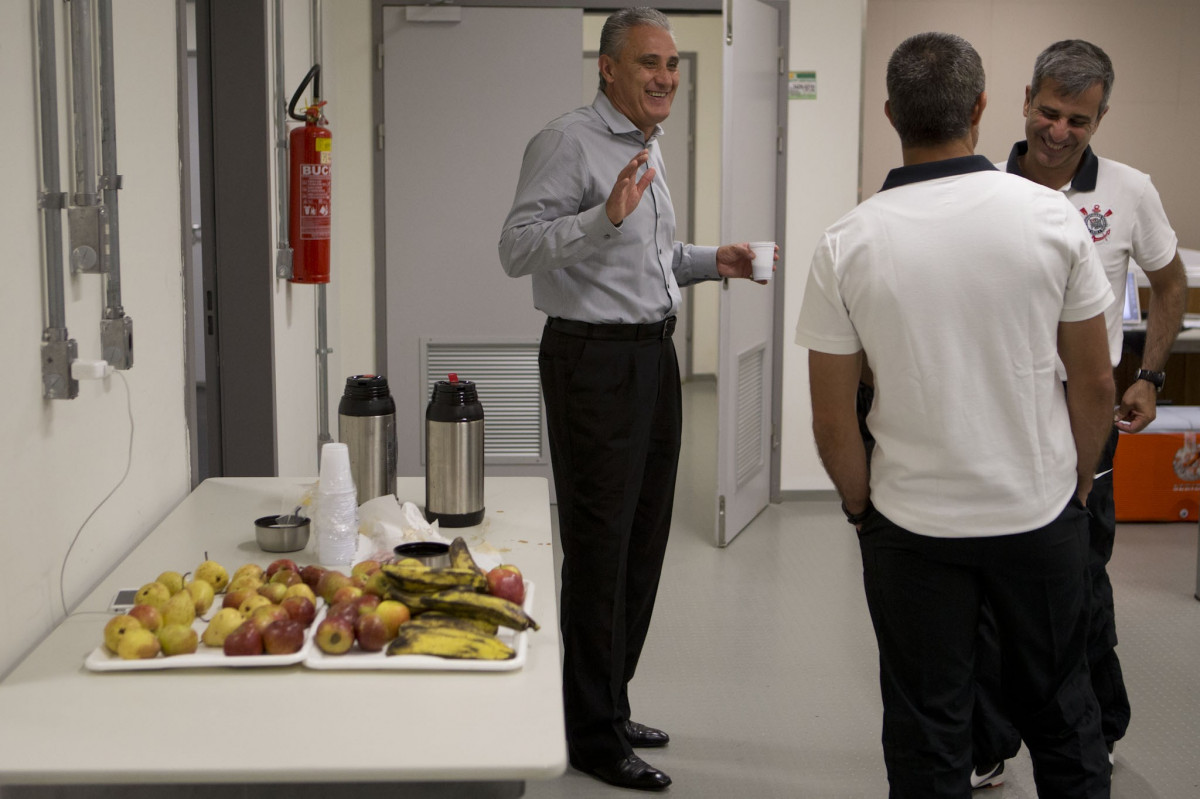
(964, 286)
(1121, 211)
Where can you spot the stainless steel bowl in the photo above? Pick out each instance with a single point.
(431, 553)
(281, 533)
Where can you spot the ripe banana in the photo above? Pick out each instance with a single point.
(424, 580)
(435, 618)
(448, 642)
(460, 556)
(471, 605)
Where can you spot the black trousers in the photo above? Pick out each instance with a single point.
(614, 415)
(925, 595)
(995, 737)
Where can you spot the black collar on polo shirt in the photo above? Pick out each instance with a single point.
(1085, 175)
(932, 170)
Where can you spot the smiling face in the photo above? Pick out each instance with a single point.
(641, 84)
(1058, 129)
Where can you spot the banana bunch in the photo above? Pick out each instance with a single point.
(447, 641)
(421, 579)
(469, 605)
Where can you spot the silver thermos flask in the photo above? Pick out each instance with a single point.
(367, 426)
(454, 454)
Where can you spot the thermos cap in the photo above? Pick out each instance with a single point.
(366, 395)
(454, 400)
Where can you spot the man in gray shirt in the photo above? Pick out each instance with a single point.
(592, 222)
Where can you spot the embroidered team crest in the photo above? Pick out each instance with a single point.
(1097, 222)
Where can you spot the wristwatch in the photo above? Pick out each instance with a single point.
(1157, 378)
(858, 518)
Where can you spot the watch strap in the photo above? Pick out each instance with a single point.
(1156, 378)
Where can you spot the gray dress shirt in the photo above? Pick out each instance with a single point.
(583, 266)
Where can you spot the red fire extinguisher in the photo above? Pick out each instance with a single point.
(310, 150)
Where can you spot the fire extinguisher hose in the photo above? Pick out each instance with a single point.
(314, 75)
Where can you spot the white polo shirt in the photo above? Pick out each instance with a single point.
(953, 280)
(1123, 214)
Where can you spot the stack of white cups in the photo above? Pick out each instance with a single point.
(337, 508)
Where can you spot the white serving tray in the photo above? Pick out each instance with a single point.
(205, 657)
(381, 661)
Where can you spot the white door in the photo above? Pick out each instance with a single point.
(751, 161)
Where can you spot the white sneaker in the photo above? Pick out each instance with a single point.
(989, 777)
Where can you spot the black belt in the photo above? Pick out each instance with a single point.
(570, 327)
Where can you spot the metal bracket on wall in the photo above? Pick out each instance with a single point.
(58, 352)
(84, 225)
(116, 340)
(283, 262)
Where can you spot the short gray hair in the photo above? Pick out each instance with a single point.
(1076, 66)
(615, 33)
(933, 82)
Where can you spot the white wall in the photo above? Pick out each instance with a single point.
(823, 153)
(63, 457)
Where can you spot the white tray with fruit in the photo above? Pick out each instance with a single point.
(258, 617)
(417, 617)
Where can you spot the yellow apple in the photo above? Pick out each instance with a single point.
(223, 623)
(117, 628)
(214, 574)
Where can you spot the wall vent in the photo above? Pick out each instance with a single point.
(506, 376)
(750, 445)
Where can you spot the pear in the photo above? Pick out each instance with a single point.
(214, 574)
(252, 569)
(138, 644)
(155, 594)
(251, 602)
(241, 581)
(178, 639)
(172, 580)
(180, 609)
(202, 595)
(223, 623)
(117, 628)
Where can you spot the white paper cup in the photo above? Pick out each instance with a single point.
(764, 259)
(335, 467)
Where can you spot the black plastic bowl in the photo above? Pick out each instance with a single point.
(431, 553)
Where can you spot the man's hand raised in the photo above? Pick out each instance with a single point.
(628, 190)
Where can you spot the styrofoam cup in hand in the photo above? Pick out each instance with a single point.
(763, 264)
(335, 468)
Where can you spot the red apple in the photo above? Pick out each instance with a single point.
(394, 613)
(311, 574)
(371, 631)
(366, 603)
(378, 584)
(300, 608)
(286, 577)
(245, 640)
(150, 616)
(283, 637)
(266, 614)
(346, 593)
(343, 610)
(329, 583)
(281, 563)
(507, 583)
(234, 599)
(335, 636)
(364, 568)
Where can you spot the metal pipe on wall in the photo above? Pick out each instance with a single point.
(57, 349)
(116, 329)
(323, 351)
(283, 251)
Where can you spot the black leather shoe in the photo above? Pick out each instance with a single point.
(630, 772)
(640, 735)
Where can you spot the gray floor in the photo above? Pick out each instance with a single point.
(761, 662)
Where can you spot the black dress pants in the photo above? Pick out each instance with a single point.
(995, 738)
(925, 594)
(614, 416)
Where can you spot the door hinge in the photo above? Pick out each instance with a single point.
(379, 137)
(379, 56)
(721, 519)
(774, 436)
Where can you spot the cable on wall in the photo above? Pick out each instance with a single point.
(98, 369)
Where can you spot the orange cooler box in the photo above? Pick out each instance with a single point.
(1157, 472)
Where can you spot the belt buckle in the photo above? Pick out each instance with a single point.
(668, 328)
